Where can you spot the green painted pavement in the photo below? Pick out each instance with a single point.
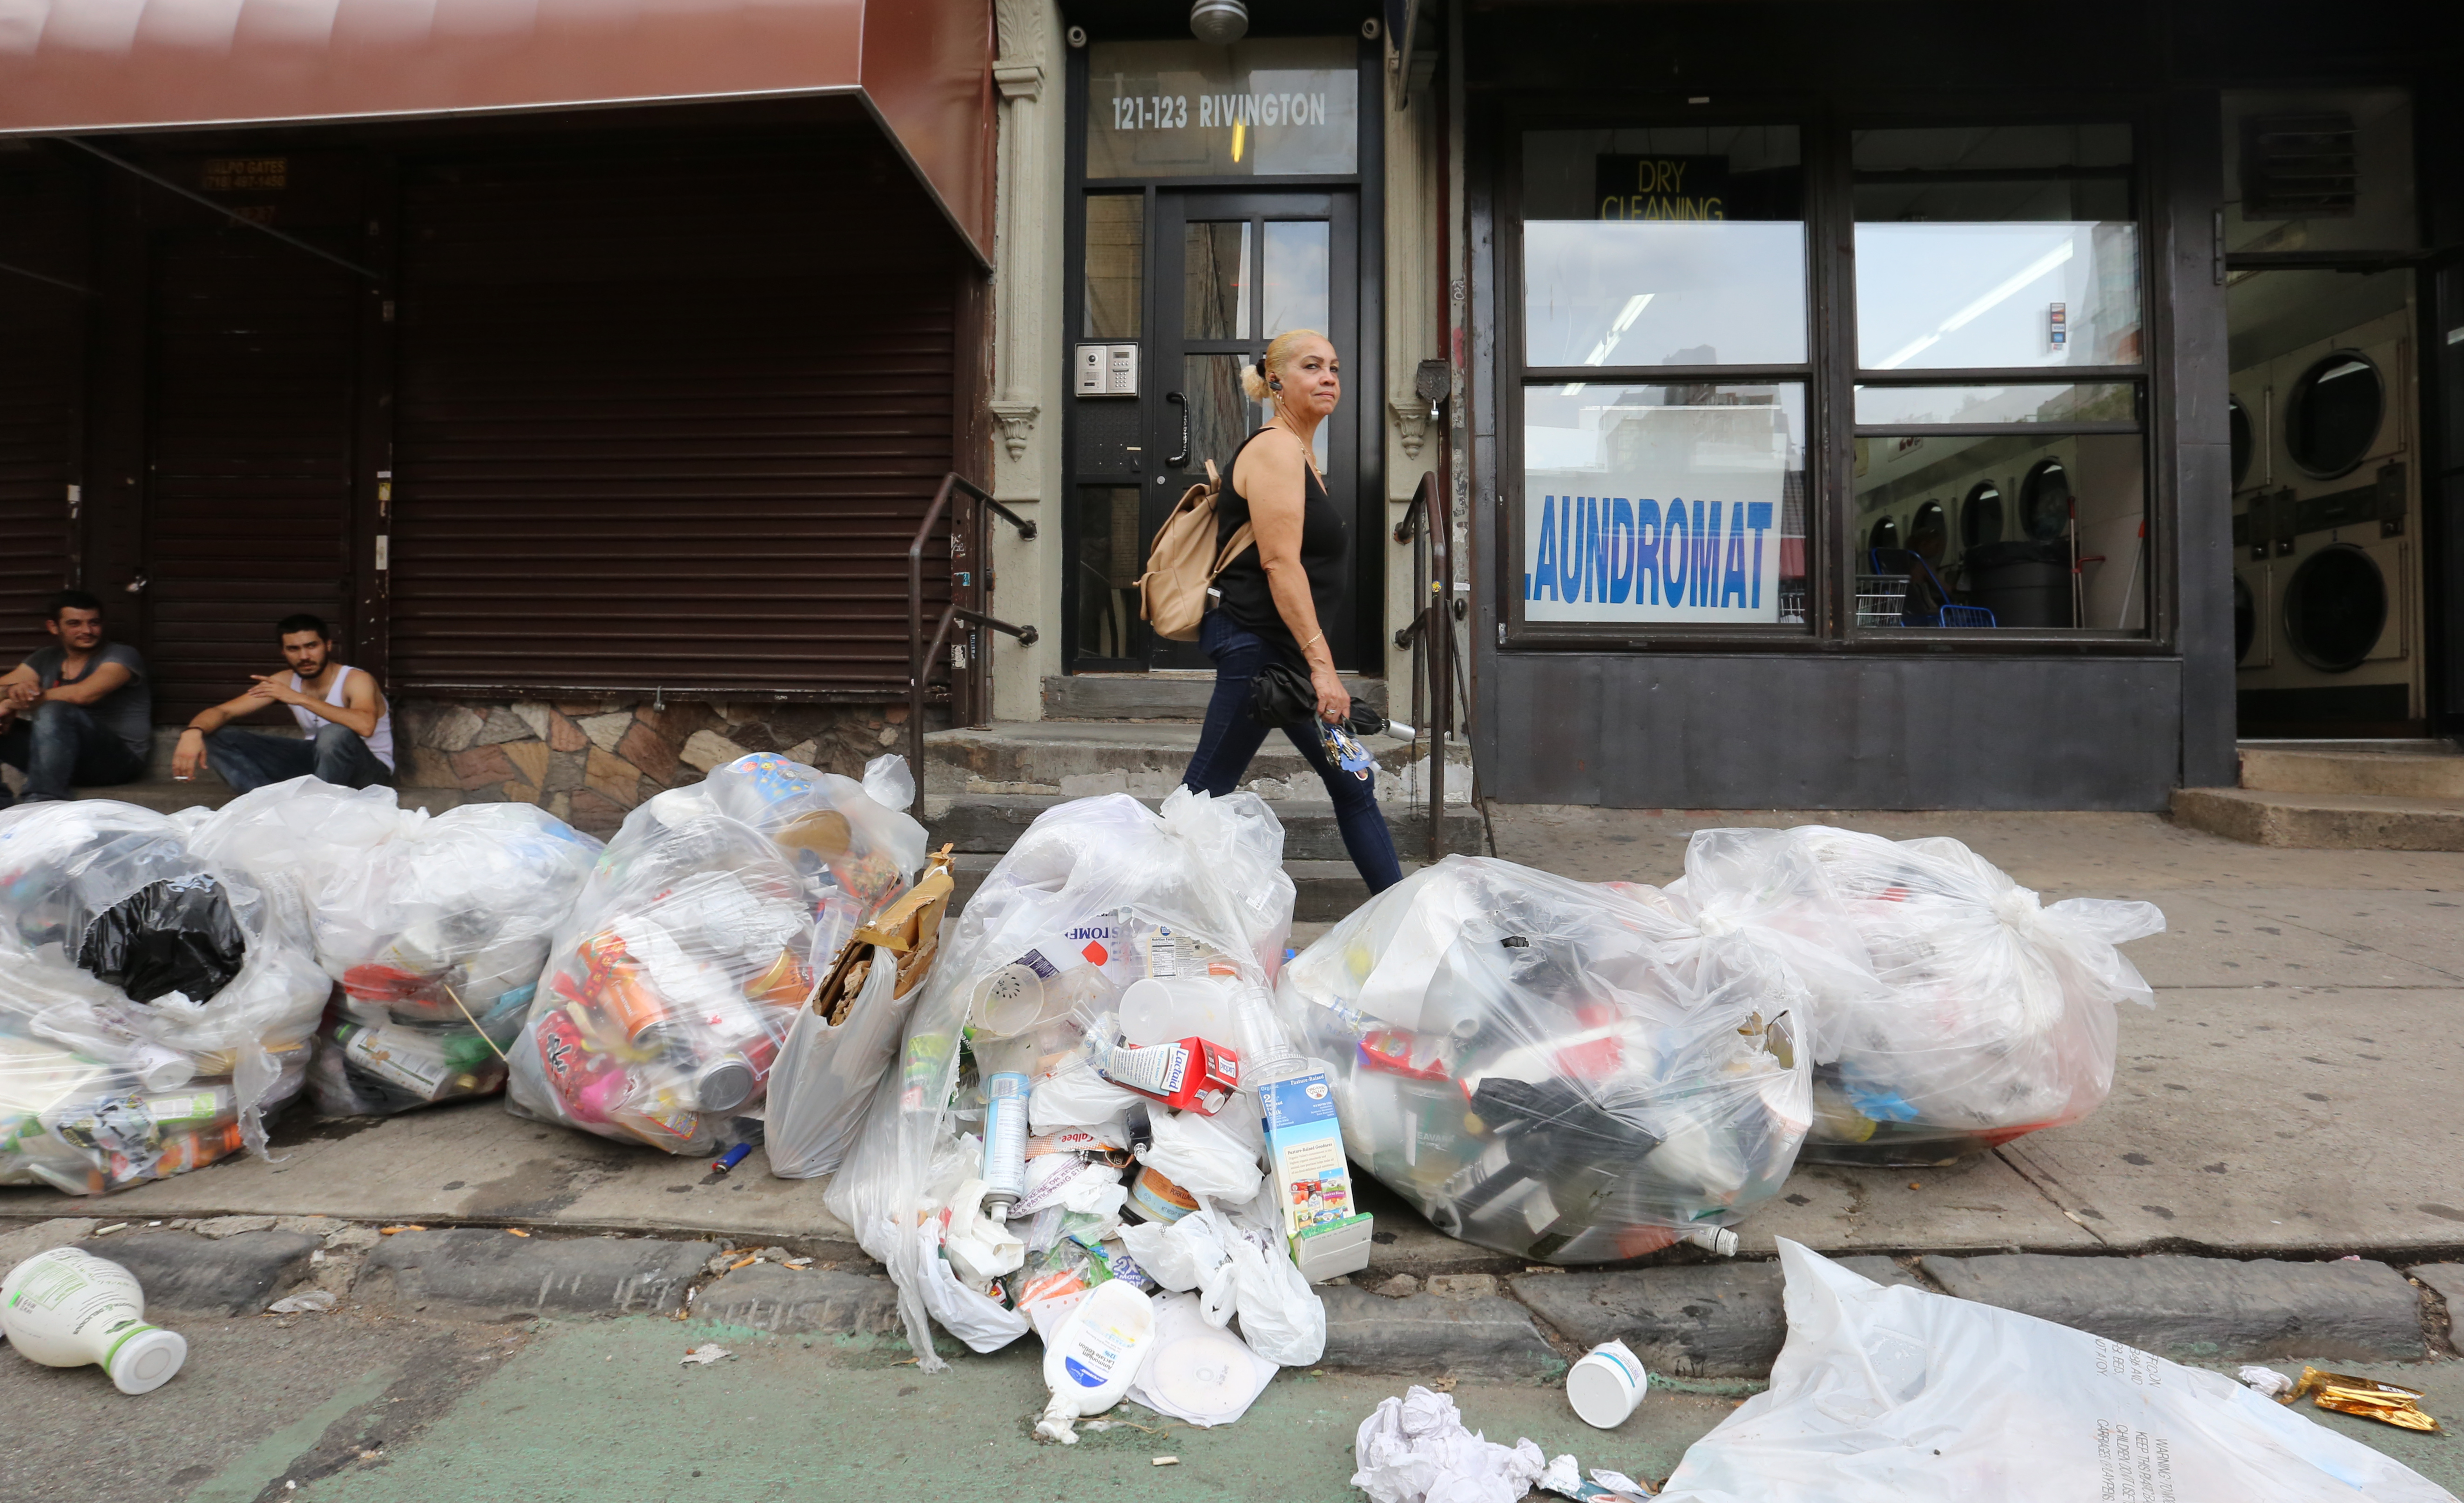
(604, 1411)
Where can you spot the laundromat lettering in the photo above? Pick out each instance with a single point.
(1612, 550)
(1659, 192)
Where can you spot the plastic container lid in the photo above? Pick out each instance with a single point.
(145, 1360)
(1204, 1375)
(1603, 1390)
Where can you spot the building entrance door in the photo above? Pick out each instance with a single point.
(1231, 271)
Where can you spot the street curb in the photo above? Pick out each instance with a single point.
(203, 1276)
(2192, 1309)
(785, 1301)
(500, 1274)
(1436, 1334)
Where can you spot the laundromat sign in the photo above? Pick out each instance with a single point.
(1674, 519)
(1661, 187)
(1278, 106)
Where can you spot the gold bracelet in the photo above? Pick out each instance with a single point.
(1312, 642)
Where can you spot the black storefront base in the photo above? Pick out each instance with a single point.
(1710, 732)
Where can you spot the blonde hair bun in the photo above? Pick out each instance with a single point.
(1279, 351)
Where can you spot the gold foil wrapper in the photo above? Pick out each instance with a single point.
(2366, 1397)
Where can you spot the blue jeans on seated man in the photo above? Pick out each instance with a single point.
(1232, 735)
(336, 754)
(60, 747)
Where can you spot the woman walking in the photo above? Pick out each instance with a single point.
(1273, 600)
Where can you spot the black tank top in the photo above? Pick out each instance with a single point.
(1241, 587)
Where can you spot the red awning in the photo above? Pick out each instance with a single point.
(103, 66)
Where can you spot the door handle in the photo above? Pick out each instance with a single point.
(138, 581)
(1181, 459)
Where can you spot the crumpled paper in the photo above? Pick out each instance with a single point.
(1415, 1449)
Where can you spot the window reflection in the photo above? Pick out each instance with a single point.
(1996, 246)
(1664, 504)
(1668, 247)
(1117, 250)
(1215, 281)
(1108, 564)
(1297, 276)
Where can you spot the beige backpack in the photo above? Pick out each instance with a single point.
(1182, 564)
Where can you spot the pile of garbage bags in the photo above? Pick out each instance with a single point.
(1581, 1073)
(434, 927)
(1077, 1106)
(695, 943)
(155, 1003)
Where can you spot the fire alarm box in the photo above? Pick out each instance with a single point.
(1108, 370)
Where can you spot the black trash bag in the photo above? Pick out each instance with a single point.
(178, 934)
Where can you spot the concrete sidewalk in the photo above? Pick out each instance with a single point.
(2291, 1094)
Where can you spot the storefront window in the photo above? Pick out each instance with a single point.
(1664, 504)
(2071, 553)
(1669, 246)
(1268, 107)
(1995, 246)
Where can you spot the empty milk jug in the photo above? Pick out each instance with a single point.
(66, 1308)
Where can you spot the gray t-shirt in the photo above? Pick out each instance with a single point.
(127, 712)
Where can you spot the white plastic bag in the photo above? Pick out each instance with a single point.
(1281, 1319)
(1898, 1395)
(813, 1121)
(1203, 1157)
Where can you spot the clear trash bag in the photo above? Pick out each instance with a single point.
(1995, 1013)
(154, 1005)
(1097, 895)
(698, 937)
(1555, 1069)
(439, 939)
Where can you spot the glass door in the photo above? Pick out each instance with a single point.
(1230, 271)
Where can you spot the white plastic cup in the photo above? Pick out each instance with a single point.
(1164, 1009)
(1607, 1386)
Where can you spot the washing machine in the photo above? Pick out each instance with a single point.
(2326, 526)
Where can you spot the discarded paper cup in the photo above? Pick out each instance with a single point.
(1009, 1001)
(1606, 1385)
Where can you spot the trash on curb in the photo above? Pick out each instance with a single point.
(2267, 1381)
(695, 943)
(67, 1307)
(155, 1003)
(1105, 1200)
(1899, 1395)
(704, 1355)
(1564, 1478)
(2365, 1396)
(1415, 1448)
(1517, 1055)
(846, 1036)
(312, 1302)
(1992, 1014)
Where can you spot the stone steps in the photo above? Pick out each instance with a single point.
(991, 823)
(2399, 774)
(2406, 795)
(2323, 821)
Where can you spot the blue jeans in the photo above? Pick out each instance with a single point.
(1232, 735)
(58, 747)
(336, 754)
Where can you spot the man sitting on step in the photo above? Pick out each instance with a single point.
(347, 727)
(78, 712)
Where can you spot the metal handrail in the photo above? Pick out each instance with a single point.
(965, 541)
(1431, 630)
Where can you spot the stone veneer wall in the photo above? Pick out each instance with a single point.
(590, 763)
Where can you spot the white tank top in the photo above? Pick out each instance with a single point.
(310, 721)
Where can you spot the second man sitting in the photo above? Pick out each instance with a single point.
(348, 728)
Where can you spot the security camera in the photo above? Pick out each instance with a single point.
(1219, 23)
